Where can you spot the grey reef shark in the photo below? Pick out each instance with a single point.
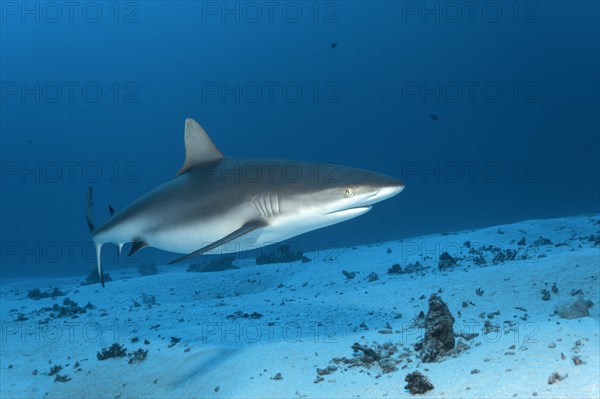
(217, 204)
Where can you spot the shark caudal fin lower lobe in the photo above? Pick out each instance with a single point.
(92, 227)
(88, 213)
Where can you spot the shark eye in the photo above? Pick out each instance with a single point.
(349, 192)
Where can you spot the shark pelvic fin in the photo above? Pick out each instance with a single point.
(199, 148)
(137, 245)
(245, 229)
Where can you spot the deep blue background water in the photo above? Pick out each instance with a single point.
(490, 114)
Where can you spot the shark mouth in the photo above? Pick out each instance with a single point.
(357, 211)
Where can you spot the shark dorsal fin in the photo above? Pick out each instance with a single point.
(199, 148)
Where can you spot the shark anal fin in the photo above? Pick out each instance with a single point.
(111, 210)
(245, 229)
(137, 245)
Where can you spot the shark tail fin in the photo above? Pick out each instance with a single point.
(88, 213)
(91, 226)
(99, 258)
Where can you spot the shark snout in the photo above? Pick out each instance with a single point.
(388, 189)
(387, 192)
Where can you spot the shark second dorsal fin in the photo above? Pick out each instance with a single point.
(199, 148)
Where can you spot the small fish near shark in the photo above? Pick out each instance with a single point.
(217, 204)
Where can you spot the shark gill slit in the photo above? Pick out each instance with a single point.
(270, 200)
(277, 203)
(261, 205)
(267, 201)
(256, 206)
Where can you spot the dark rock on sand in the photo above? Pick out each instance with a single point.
(446, 261)
(417, 383)
(147, 269)
(280, 254)
(93, 278)
(223, 262)
(115, 350)
(439, 332)
(576, 310)
(36, 294)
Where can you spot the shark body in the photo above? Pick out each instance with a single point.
(218, 204)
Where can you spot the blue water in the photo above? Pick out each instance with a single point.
(490, 114)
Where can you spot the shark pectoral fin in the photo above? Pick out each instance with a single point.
(199, 148)
(137, 245)
(245, 229)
